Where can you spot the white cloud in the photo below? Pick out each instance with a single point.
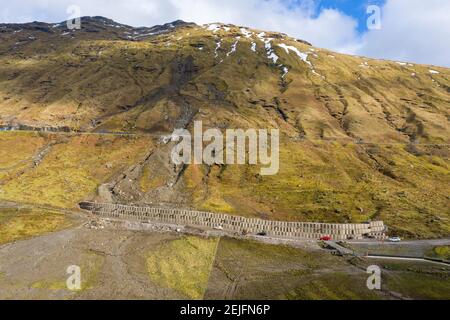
(330, 28)
(412, 30)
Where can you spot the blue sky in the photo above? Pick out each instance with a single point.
(353, 8)
(412, 30)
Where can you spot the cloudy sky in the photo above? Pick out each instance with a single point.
(411, 30)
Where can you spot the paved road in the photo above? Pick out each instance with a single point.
(406, 259)
(342, 250)
(106, 133)
(434, 242)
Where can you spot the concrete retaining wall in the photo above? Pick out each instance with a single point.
(293, 230)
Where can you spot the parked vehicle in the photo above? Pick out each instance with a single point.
(326, 238)
(395, 239)
(218, 228)
(262, 234)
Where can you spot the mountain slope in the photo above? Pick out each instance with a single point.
(361, 138)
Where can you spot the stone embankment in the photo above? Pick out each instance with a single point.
(241, 225)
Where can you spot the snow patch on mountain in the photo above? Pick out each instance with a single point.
(271, 55)
(216, 51)
(268, 45)
(301, 55)
(285, 72)
(215, 27)
(234, 47)
(364, 64)
(246, 33)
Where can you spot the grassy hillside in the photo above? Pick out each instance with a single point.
(183, 265)
(361, 138)
(27, 223)
(72, 168)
